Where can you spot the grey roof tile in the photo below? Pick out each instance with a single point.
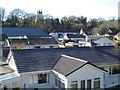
(22, 31)
(45, 59)
(66, 65)
(75, 36)
(65, 31)
(42, 41)
(34, 40)
(94, 37)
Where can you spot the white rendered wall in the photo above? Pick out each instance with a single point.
(85, 73)
(111, 80)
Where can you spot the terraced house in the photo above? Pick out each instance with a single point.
(85, 67)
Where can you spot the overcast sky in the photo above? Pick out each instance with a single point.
(59, 8)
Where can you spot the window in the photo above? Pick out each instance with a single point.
(74, 85)
(51, 46)
(89, 84)
(114, 70)
(97, 83)
(75, 45)
(37, 46)
(56, 82)
(62, 85)
(110, 71)
(0, 84)
(33, 79)
(73, 81)
(6, 86)
(17, 88)
(16, 85)
(83, 85)
(43, 78)
(38, 78)
(59, 83)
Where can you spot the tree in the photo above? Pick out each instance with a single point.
(15, 18)
(81, 19)
(19, 18)
(2, 16)
(20, 14)
(112, 18)
(29, 21)
(12, 22)
(2, 13)
(102, 28)
(66, 23)
(93, 22)
(72, 19)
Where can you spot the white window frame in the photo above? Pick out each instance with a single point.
(95, 80)
(74, 82)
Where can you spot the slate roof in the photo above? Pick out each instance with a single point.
(34, 40)
(42, 41)
(66, 65)
(104, 40)
(38, 36)
(45, 59)
(22, 31)
(75, 36)
(94, 37)
(65, 31)
(111, 31)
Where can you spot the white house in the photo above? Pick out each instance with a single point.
(32, 42)
(99, 40)
(86, 31)
(76, 73)
(104, 42)
(59, 34)
(117, 36)
(42, 42)
(74, 37)
(73, 40)
(110, 32)
(63, 67)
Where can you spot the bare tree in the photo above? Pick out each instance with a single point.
(2, 13)
(20, 14)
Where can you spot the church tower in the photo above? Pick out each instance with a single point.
(39, 15)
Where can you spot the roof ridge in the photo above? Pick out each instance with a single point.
(74, 58)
